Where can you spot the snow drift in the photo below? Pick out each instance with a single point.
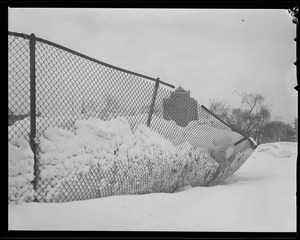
(90, 158)
(104, 158)
(260, 197)
(20, 170)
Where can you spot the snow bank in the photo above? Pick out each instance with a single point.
(104, 158)
(70, 161)
(20, 164)
(61, 156)
(260, 197)
(92, 158)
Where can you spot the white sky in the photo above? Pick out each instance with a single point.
(210, 52)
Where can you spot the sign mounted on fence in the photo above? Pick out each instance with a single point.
(180, 107)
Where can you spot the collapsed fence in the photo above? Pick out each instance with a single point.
(54, 95)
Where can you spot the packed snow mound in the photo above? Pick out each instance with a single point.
(98, 133)
(92, 158)
(65, 155)
(59, 151)
(60, 141)
(20, 164)
(103, 158)
(254, 199)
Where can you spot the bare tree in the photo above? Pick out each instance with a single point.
(253, 115)
(220, 107)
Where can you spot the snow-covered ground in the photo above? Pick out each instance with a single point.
(260, 196)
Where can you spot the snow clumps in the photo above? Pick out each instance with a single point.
(92, 158)
(61, 156)
(20, 163)
(103, 158)
(96, 158)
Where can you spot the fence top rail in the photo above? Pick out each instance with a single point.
(233, 128)
(22, 35)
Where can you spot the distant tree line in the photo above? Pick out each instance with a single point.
(254, 118)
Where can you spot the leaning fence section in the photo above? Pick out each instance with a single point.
(79, 126)
(69, 88)
(183, 121)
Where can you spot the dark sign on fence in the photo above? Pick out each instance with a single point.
(180, 107)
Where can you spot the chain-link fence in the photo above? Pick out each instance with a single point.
(55, 95)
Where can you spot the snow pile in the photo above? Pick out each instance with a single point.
(103, 158)
(61, 156)
(260, 197)
(197, 167)
(92, 158)
(92, 161)
(20, 163)
(66, 156)
(101, 135)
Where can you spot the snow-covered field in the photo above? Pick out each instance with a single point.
(260, 196)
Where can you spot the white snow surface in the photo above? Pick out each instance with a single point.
(260, 196)
(20, 171)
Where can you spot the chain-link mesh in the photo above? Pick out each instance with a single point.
(181, 119)
(70, 89)
(21, 159)
(18, 82)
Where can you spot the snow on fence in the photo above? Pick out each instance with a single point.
(20, 170)
(85, 129)
(104, 158)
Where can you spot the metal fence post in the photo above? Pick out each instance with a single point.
(151, 110)
(32, 43)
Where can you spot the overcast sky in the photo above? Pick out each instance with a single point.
(210, 52)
